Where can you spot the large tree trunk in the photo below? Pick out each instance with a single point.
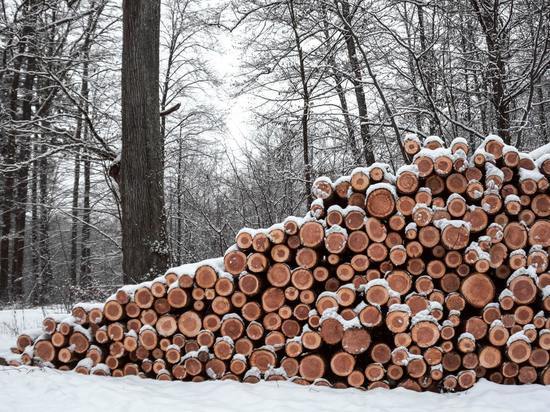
(141, 178)
(9, 154)
(7, 210)
(23, 155)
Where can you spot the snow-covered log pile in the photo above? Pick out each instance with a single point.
(429, 279)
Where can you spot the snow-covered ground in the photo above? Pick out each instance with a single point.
(13, 322)
(32, 389)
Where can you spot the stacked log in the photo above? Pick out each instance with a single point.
(428, 279)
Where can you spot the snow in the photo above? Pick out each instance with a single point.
(511, 198)
(191, 268)
(509, 149)
(327, 293)
(410, 226)
(374, 282)
(537, 248)
(492, 170)
(496, 322)
(481, 254)
(423, 316)
(481, 151)
(317, 191)
(434, 139)
(466, 335)
(525, 174)
(528, 271)
(342, 179)
(225, 339)
(505, 293)
(86, 362)
(411, 136)
(337, 229)
(147, 328)
(412, 168)
(434, 153)
(458, 140)
(492, 137)
(541, 151)
(517, 336)
(399, 307)
(384, 166)
(319, 207)
(239, 357)
(86, 332)
(88, 306)
(13, 322)
(433, 305)
(454, 196)
(231, 316)
(441, 224)
(332, 313)
(48, 390)
(344, 211)
(540, 160)
(390, 188)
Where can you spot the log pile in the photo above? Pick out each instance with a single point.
(428, 279)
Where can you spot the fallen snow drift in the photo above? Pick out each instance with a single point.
(32, 389)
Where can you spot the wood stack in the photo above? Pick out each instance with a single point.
(428, 279)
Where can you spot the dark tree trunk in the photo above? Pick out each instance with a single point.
(304, 120)
(413, 74)
(7, 213)
(85, 253)
(24, 152)
(542, 115)
(141, 176)
(426, 63)
(357, 81)
(44, 285)
(488, 16)
(74, 211)
(77, 165)
(8, 203)
(341, 93)
(35, 220)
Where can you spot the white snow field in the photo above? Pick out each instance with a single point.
(33, 389)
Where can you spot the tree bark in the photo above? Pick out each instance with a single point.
(489, 17)
(542, 115)
(85, 253)
(357, 81)
(45, 274)
(78, 159)
(341, 93)
(305, 104)
(142, 161)
(426, 62)
(74, 211)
